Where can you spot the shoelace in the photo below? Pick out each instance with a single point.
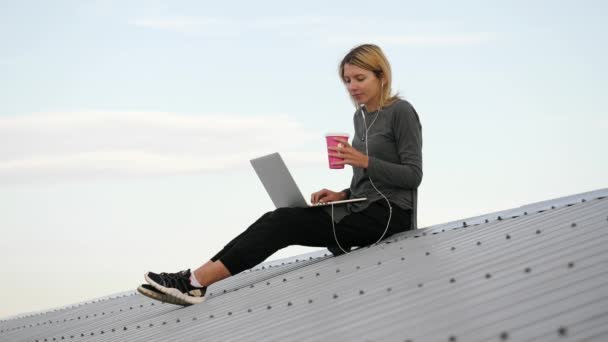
(179, 280)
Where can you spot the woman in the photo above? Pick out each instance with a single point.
(386, 156)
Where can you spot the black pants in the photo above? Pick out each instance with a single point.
(309, 227)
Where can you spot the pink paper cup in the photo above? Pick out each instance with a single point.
(331, 142)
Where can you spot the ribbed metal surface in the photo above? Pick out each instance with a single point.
(541, 275)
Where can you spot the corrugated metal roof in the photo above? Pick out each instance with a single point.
(540, 274)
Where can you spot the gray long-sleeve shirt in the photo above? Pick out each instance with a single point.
(394, 141)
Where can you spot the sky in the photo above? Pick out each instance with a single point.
(126, 127)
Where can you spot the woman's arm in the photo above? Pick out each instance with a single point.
(408, 138)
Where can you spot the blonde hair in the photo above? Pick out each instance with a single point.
(370, 57)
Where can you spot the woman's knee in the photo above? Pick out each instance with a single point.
(286, 213)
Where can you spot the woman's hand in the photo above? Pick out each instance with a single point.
(350, 155)
(326, 196)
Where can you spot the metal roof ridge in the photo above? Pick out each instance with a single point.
(523, 210)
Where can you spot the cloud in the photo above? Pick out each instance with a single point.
(335, 30)
(417, 40)
(97, 144)
(227, 25)
(186, 24)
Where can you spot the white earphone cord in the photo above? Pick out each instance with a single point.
(390, 208)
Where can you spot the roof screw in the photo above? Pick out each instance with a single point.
(229, 313)
(402, 258)
(488, 276)
(225, 291)
(251, 286)
(150, 325)
(124, 329)
(358, 267)
(428, 253)
(504, 336)
(499, 218)
(113, 330)
(284, 279)
(525, 213)
(210, 316)
(508, 236)
(269, 307)
(177, 320)
(571, 264)
(453, 248)
(361, 292)
(389, 289)
(527, 270)
(420, 285)
(478, 243)
(335, 296)
(267, 283)
(573, 225)
(135, 327)
(452, 280)
(194, 318)
(318, 274)
(562, 331)
(379, 263)
(310, 301)
(487, 221)
(464, 224)
(249, 310)
(583, 200)
(552, 207)
(538, 231)
(301, 277)
(289, 304)
(452, 338)
(337, 270)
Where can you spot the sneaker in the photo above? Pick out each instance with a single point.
(149, 291)
(177, 285)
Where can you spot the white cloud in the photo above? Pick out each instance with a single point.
(227, 25)
(336, 30)
(418, 40)
(74, 144)
(186, 24)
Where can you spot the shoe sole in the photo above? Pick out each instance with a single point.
(175, 293)
(159, 296)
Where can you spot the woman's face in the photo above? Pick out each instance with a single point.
(362, 85)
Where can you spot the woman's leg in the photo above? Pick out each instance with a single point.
(234, 241)
(309, 227)
(275, 230)
(279, 229)
(211, 272)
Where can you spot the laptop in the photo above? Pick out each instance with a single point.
(280, 185)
